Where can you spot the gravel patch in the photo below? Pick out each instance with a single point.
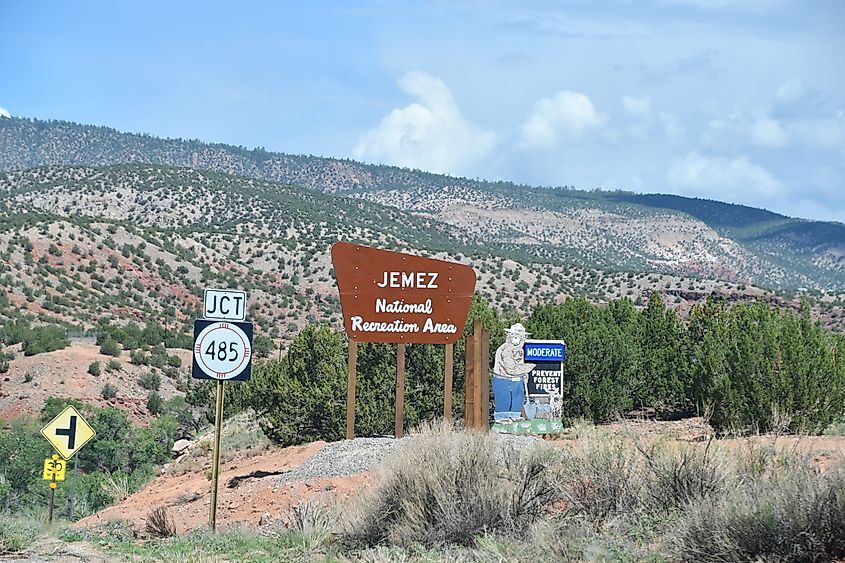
(349, 457)
(343, 458)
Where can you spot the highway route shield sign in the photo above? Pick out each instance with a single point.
(68, 432)
(222, 350)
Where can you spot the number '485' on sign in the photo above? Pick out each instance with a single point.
(222, 350)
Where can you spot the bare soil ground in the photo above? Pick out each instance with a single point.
(53, 549)
(254, 501)
(64, 373)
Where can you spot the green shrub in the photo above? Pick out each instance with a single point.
(795, 514)
(603, 356)
(44, 339)
(23, 456)
(263, 346)
(109, 391)
(4, 359)
(751, 366)
(155, 404)
(94, 369)
(150, 381)
(302, 398)
(113, 365)
(54, 405)
(755, 366)
(139, 358)
(110, 347)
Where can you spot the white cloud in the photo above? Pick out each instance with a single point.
(767, 132)
(565, 115)
(735, 179)
(790, 91)
(821, 133)
(672, 126)
(430, 134)
(637, 106)
(4, 112)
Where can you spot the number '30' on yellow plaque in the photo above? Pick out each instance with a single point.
(54, 468)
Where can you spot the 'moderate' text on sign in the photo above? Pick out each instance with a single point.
(544, 352)
(394, 297)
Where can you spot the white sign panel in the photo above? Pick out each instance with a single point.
(224, 304)
(222, 350)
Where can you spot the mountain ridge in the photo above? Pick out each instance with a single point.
(614, 231)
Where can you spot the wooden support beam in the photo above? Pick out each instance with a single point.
(352, 368)
(469, 395)
(448, 368)
(478, 363)
(399, 422)
(484, 379)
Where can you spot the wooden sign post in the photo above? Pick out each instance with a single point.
(477, 399)
(448, 363)
(352, 368)
(401, 299)
(399, 420)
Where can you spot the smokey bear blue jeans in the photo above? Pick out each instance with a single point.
(508, 395)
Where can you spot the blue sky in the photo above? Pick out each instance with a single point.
(736, 100)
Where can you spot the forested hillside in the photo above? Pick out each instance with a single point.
(614, 231)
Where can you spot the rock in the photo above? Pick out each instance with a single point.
(180, 446)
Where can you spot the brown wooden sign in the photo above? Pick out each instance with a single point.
(394, 297)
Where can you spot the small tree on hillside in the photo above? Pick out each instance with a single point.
(110, 347)
(303, 397)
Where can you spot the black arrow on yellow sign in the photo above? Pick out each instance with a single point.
(70, 432)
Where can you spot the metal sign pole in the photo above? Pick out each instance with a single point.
(73, 490)
(215, 470)
(52, 499)
(72, 497)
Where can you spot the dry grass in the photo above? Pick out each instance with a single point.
(160, 524)
(447, 487)
(116, 485)
(603, 495)
(310, 517)
(795, 513)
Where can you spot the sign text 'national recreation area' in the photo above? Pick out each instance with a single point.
(395, 297)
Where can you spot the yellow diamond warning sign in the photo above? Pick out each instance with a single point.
(54, 469)
(68, 432)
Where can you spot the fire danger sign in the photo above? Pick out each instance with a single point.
(222, 350)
